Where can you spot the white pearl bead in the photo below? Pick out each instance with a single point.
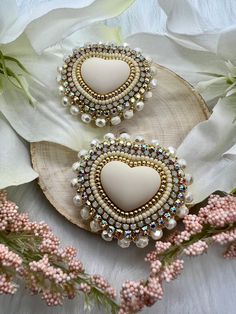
(100, 122)
(109, 136)
(125, 45)
(59, 69)
(74, 182)
(115, 120)
(125, 136)
(139, 105)
(189, 197)
(148, 95)
(65, 101)
(137, 49)
(171, 224)
(61, 90)
(155, 142)
(106, 236)
(77, 200)
(139, 138)
(84, 213)
(153, 83)
(153, 70)
(82, 153)
(157, 234)
(188, 178)
(128, 114)
(142, 242)
(75, 166)
(182, 163)
(124, 243)
(86, 118)
(94, 142)
(58, 79)
(182, 211)
(74, 110)
(94, 226)
(172, 150)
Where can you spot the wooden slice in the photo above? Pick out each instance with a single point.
(169, 115)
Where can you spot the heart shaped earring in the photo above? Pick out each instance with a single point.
(105, 83)
(130, 189)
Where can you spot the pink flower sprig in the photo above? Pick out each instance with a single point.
(214, 223)
(29, 251)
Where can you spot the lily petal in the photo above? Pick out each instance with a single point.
(15, 165)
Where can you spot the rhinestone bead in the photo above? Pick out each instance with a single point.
(74, 182)
(148, 95)
(172, 150)
(124, 243)
(94, 142)
(142, 242)
(125, 136)
(189, 197)
(157, 234)
(182, 163)
(188, 178)
(153, 83)
(61, 90)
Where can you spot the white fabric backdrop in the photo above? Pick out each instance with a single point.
(208, 282)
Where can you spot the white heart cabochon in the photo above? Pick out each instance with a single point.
(104, 76)
(129, 188)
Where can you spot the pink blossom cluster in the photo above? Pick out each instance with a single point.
(218, 217)
(48, 270)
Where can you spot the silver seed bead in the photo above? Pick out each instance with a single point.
(142, 242)
(115, 120)
(100, 122)
(171, 224)
(84, 213)
(128, 114)
(74, 110)
(156, 234)
(124, 243)
(65, 101)
(77, 200)
(139, 105)
(86, 118)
